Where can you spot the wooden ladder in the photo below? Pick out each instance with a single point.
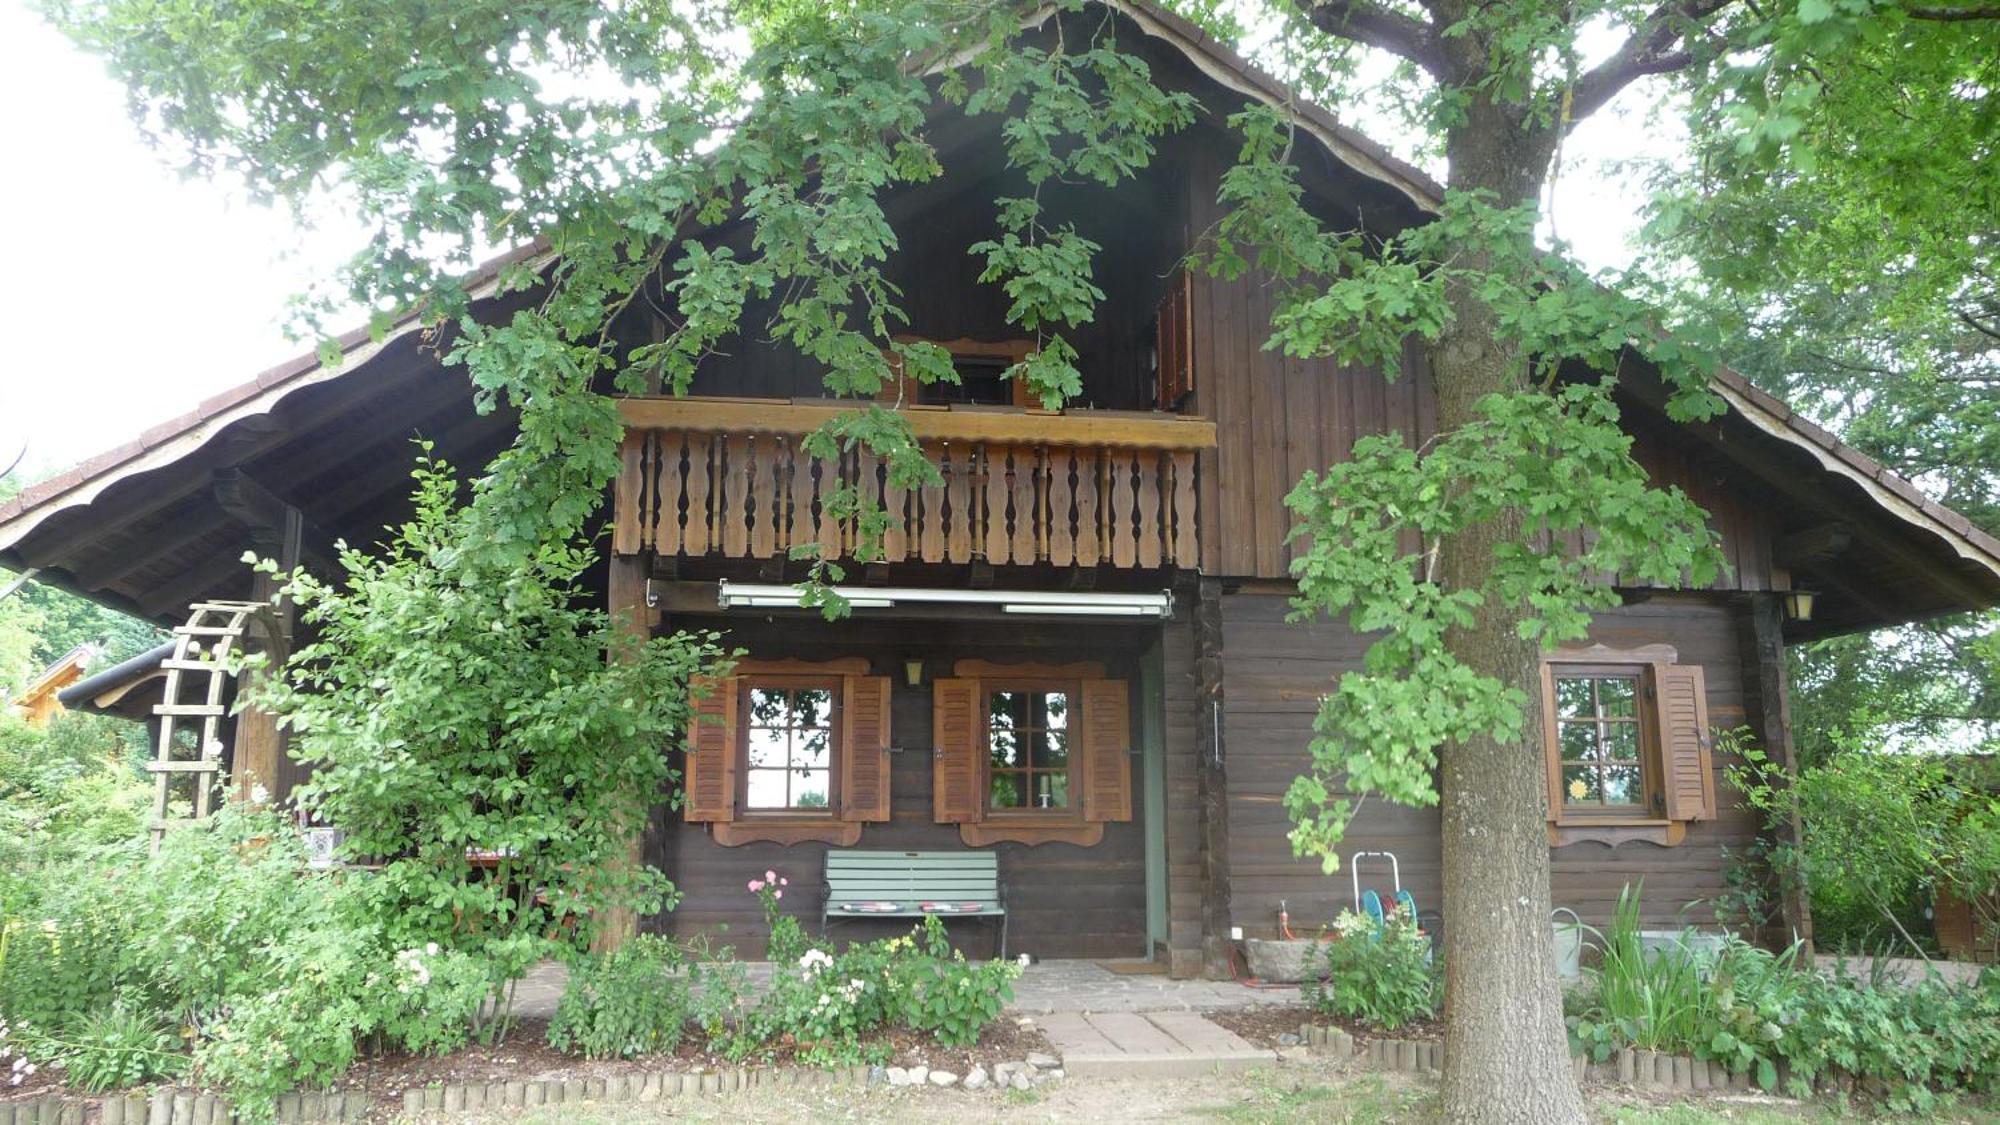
(210, 644)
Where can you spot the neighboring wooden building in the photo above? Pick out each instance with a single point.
(37, 703)
(1075, 650)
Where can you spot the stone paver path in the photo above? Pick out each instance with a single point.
(1047, 986)
(1147, 1045)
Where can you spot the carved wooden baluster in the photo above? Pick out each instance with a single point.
(830, 480)
(960, 459)
(994, 542)
(799, 520)
(930, 535)
(1185, 540)
(700, 500)
(1027, 514)
(1062, 540)
(628, 517)
(1089, 492)
(731, 514)
(1122, 538)
(1151, 469)
(669, 446)
(897, 536)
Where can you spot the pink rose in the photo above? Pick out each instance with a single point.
(777, 894)
(770, 876)
(784, 882)
(756, 885)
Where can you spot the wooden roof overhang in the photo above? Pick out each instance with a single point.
(165, 518)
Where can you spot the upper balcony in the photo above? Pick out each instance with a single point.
(726, 478)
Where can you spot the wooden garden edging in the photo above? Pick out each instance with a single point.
(166, 1106)
(1647, 1070)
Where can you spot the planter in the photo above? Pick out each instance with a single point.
(1280, 962)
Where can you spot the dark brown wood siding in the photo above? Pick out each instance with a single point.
(1274, 674)
(1278, 417)
(1064, 900)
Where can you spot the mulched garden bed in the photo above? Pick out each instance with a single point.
(527, 1057)
(1263, 1025)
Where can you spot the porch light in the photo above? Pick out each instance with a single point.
(1799, 605)
(747, 595)
(913, 673)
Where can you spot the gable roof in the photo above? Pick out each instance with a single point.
(98, 528)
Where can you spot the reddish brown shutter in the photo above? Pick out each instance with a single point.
(1107, 746)
(864, 766)
(955, 772)
(1551, 745)
(1687, 774)
(711, 752)
(1173, 355)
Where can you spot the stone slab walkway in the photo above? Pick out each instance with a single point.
(1046, 986)
(1147, 1045)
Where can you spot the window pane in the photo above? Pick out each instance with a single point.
(1619, 697)
(766, 789)
(1621, 785)
(1573, 697)
(1005, 748)
(1579, 741)
(768, 707)
(809, 749)
(768, 748)
(1055, 711)
(1052, 750)
(1009, 791)
(1008, 710)
(812, 707)
(810, 788)
(1622, 740)
(1581, 786)
(1054, 790)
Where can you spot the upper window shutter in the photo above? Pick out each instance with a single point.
(1688, 776)
(955, 774)
(1107, 742)
(1173, 354)
(864, 767)
(711, 752)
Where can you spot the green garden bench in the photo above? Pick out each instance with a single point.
(882, 884)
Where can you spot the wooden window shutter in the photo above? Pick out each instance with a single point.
(1107, 746)
(711, 752)
(1173, 355)
(1551, 755)
(956, 711)
(1687, 774)
(864, 766)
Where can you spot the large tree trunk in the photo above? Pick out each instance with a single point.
(1506, 1053)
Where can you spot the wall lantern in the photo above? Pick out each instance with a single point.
(913, 673)
(1799, 605)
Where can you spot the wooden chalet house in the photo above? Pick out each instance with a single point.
(1075, 653)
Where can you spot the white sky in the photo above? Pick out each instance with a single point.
(132, 294)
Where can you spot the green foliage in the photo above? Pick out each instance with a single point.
(1379, 973)
(828, 1003)
(629, 1002)
(1878, 831)
(451, 708)
(1379, 731)
(1756, 1011)
(66, 788)
(223, 956)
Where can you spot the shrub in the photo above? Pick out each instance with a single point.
(1380, 973)
(629, 1002)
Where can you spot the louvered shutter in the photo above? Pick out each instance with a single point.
(864, 766)
(955, 729)
(1688, 775)
(1107, 746)
(1551, 745)
(711, 752)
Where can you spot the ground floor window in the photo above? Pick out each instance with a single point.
(790, 744)
(1627, 745)
(1027, 746)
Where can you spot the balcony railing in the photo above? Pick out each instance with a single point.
(727, 477)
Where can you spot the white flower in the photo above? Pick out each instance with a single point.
(431, 949)
(814, 960)
(1025, 960)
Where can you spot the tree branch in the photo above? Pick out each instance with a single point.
(1954, 15)
(1374, 25)
(1648, 51)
